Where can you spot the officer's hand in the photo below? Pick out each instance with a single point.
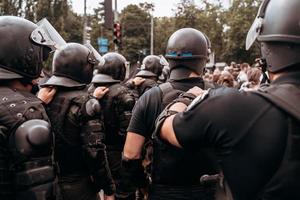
(112, 197)
(99, 92)
(46, 94)
(196, 91)
(138, 81)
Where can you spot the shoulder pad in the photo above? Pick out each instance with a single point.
(91, 108)
(31, 135)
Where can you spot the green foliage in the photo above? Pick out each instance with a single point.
(239, 19)
(163, 28)
(99, 30)
(186, 14)
(58, 12)
(208, 18)
(226, 28)
(135, 21)
(10, 7)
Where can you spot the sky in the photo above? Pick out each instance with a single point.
(162, 7)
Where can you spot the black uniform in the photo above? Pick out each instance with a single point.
(27, 169)
(76, 120)
(254, 139)
(117, 105)
(171, 179)
(79, 151)
(26, 162)
(151, 69)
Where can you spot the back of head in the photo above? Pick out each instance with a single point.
(276, 27)
(151, 67)
(254, 75)
(114, 66)
(73, 61)
(187, 51)
(20, 56)
(226, 79)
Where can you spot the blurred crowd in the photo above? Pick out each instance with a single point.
(241, 76)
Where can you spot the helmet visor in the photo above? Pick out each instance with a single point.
(257, 25)
(99, 60)
(254, 32)
(163, 61)
(46, 35)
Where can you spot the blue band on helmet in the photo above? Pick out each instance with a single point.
(175, 54)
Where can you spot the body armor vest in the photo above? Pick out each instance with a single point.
(117, 106)
(286, 98)
(68, 147)
(27, 158)
(177, 167)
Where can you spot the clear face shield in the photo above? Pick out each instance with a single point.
(95, 56)
(257, 25)
(46, 35)
(163, 61)
(166, 69)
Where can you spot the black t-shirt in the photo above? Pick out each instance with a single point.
(250, 137)
(149, 106)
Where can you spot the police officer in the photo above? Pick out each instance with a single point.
(147, 77)
(257, 140)
(79, 133)
(117, 105)
(187, 54)
(26, 145)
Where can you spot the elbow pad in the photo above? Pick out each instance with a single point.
(91, 108)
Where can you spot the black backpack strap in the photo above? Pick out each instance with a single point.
(168, 93)
(294, 132)
(165, 88)
(284, 96)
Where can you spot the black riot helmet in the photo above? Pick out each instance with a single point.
(114, 66)
(73, 66)
(20, 55)
(151, 67)
(276, 27)
(187, 51)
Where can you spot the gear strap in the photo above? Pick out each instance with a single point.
(284, 96)
(165, 88)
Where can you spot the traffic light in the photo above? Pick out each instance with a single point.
(117, 34)
(107, 13)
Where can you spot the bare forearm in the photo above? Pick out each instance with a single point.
(133, 145)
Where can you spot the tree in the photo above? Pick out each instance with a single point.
(135, 22)
(239, 18)
(11, 7)
(99, 30)
(186, 14)
(163, 29)
(208, 18)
